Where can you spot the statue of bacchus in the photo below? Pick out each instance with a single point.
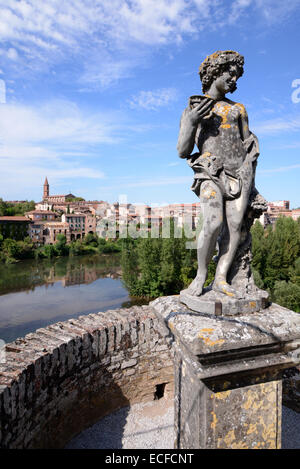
(224, 166)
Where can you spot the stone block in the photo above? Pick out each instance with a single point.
(228, 374)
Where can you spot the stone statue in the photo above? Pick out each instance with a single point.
(224, 168)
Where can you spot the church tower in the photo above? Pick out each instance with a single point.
(46, 189)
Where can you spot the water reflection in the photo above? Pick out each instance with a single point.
(37, 293)
(29, 274)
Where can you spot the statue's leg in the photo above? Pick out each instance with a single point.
(211, 204)
(234, 212)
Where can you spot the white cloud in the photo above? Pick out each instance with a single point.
(53, 22)
(2, 92)
(288, 146)
(19, 178)
(280, 169)
(55, 123)
(108, 37)
(238, 8)
(105, 72)
(12, 54)
(54, 139)
(152, 100)
(164, 181)
(275, 11)
(277, 126)
(56, 22)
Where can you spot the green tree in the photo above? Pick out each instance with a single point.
(90, 239)
(26, 249)
(294, 272)
(11, 249)
(258, 248)
(9, 209)
(129, 262)
(282, 250)
(287, 294)
(75, 248)
(157, 266)
(60, 246)
(3, 207)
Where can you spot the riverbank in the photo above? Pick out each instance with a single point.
(36, 293)
(12, 251)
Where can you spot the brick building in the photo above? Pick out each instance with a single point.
(52, 228)
(76, 223)
(14, 227)
(41, 215)
(54, 199)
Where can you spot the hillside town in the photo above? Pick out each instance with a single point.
(75, 217)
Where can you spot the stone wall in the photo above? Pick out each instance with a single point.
(291, 389)
(63, 378)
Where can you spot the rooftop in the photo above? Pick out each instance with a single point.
(14, 218)
(47, 212)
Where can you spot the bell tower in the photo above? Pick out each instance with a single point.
(46, 189)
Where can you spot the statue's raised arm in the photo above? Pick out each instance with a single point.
(190, 121)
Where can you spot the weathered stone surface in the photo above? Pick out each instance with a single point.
(231, 415)
(207, 334)
(63, 378)
(52, 389)
(228, 374)
(291, 388)
(224, 168)
(212, 302)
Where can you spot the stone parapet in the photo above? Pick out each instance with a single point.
(291, 389)
(61, 379)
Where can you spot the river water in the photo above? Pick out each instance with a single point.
(34, 294)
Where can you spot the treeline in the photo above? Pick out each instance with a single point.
(156, 267)
(153, 267)
(12, 251)
(276, 260)
(19, 209)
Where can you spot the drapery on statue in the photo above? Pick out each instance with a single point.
(224, 168)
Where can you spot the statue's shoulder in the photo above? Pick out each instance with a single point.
(234, 103)
(229, 101)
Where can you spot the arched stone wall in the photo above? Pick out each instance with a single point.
(62, 378)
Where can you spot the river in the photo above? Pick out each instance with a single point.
(34, 294)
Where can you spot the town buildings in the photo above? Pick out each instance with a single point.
(14, 227)
(74, 218)
(277, 209)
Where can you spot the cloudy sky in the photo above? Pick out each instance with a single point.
(91, 93)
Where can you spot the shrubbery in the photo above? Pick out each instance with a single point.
(163, 266)
(8, 209)
(276, 260)
(156, 267)
(12, 251)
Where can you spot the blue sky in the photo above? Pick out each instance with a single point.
(94, 90)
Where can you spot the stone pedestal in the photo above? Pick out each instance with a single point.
(228, 374)
(221, 305)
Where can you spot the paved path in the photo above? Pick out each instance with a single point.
(150, 426)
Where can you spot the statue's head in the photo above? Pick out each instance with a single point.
(219, 62)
